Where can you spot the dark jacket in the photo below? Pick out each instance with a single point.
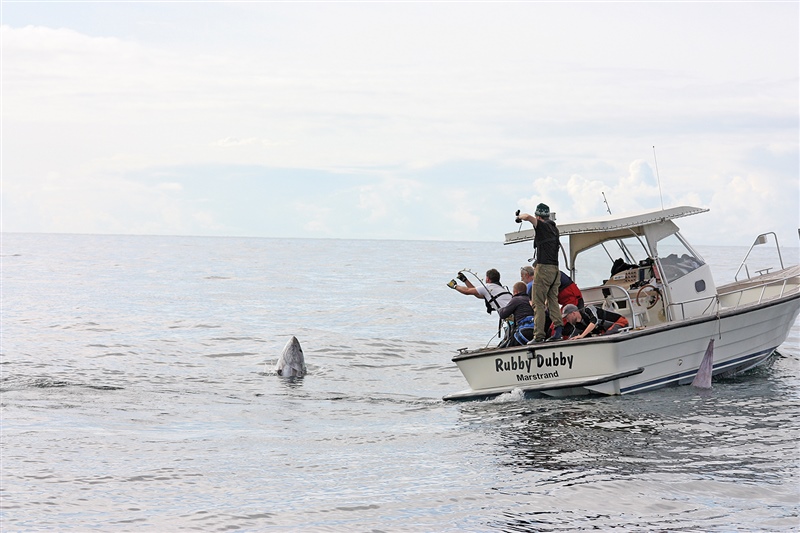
(519, 306)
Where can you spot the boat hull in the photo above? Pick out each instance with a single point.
(635, 360)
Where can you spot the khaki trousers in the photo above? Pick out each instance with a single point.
(546, 280)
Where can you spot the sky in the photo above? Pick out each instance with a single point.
(394, 120)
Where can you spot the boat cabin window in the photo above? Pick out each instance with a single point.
(677, 258)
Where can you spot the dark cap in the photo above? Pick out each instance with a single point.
(569, 308)
(542, 210)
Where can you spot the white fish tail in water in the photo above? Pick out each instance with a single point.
(291, 362)
(703, 378)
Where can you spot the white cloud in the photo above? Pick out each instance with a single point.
(229, 141)
(319, 224)
(387, 198)
(386, 102)
(578, 197)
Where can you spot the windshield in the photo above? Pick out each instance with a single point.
(677, 258)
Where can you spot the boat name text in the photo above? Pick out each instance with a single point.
(537, 377)
(518, 363)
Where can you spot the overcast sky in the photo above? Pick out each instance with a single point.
(397, 120)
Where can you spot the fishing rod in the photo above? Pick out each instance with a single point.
(463, 278)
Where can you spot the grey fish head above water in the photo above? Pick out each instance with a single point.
(291, 362)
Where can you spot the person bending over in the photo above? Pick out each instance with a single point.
(591, 321)
(569, 293)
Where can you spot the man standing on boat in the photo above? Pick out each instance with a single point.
(568, 291)
(546, 275)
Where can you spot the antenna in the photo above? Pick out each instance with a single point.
(658, 178)
(606, 202)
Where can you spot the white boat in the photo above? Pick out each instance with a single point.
(673, 307)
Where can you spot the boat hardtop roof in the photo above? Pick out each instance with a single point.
(611, 223)
(586, 234)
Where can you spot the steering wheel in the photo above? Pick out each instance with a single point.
(648, 296)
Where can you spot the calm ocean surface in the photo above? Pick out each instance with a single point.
(137, 396)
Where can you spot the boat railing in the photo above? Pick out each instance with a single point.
(610, 297)
(780, 286)
(761, 239)
(750, 295)
(712, 307)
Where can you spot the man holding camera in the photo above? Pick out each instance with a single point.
(495, 295)
(546, 275)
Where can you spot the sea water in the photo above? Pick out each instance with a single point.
(138, 395)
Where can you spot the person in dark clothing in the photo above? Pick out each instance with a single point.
(591, 321)
(520, 307)
(546, 276)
